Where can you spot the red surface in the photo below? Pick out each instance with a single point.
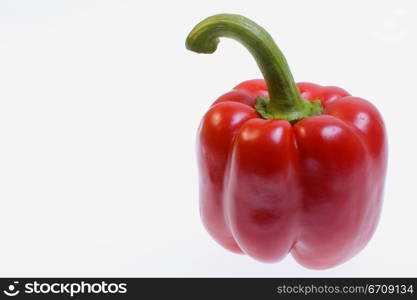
(314, 189)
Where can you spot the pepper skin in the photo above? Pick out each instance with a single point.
(277, 179)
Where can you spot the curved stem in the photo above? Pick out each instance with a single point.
(285, 100)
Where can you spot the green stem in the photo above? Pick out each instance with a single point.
(285, 101)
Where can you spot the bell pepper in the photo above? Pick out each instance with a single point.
(285, 167)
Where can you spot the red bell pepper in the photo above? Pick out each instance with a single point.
(287, 167)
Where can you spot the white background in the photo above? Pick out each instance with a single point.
(99, 107)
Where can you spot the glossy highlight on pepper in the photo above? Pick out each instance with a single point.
(285, 167)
